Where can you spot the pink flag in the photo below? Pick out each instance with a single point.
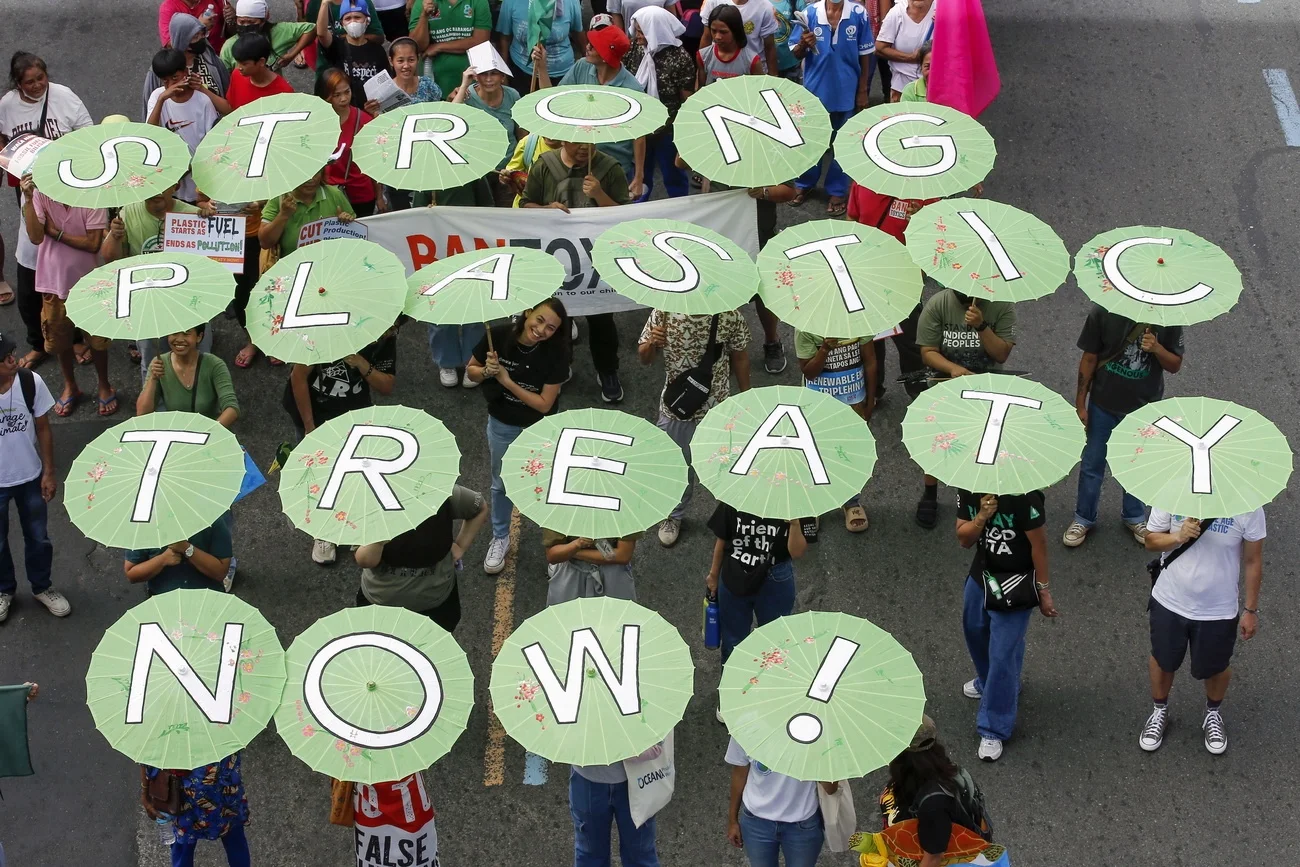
(963, 73)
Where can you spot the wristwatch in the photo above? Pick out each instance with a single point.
(189, 552)
(981, 326)
(1042, 585)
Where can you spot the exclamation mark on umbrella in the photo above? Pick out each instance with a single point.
(805, 728)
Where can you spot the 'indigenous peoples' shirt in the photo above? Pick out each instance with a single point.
(1128, 378)
(943, 326)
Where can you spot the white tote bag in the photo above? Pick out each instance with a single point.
(838, 816)
(650, 783)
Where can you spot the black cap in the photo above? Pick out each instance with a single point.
(7, 346)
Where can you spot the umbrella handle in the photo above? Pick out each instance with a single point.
(488, 329)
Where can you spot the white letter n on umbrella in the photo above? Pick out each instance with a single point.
(565, 698)
(216, 706)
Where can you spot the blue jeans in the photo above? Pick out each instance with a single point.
(837, 183)
(662, 152)
(452, 345)
(594, 806)
(764, 839)
(996, 642)
(736, 614)
(500, 435)
(236, 844)
(38, 550)
(1093, 471)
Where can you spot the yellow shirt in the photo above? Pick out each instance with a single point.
(516, 162)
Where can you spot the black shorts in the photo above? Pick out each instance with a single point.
(1212, 642)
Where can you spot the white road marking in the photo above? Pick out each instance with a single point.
(1288, 112)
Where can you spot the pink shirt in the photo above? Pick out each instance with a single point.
(58, 266)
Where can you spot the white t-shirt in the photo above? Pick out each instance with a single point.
(905, 35)
(20, 460)
(1202, 583)
(65, 113)
(191, 120)
(759, 17)
(769, 795)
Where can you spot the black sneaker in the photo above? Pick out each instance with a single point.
(927, 513)
(773, 357)
(611, 390)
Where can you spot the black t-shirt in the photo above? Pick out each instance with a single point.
(748, 537)
(531, 367)
(339, 388)
(360, 62)
(1004, 544)
(1129, 378)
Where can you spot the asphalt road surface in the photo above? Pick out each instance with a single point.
(1113, 113)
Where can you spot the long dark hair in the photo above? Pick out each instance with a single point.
(559, 341)
(909, 772)
(20, 63)
(729, 15)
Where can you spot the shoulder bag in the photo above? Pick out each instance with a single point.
(689, 390)
(164, 792)
(838, 816)
(650, 783)
(1161, 562)
(1009, 591)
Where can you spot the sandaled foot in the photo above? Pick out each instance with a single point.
(836, 207)
(6, 294)
(82, 353)
(246, 356)
(800, 197)
(108, 405)
(67, 404)
(855, 519)
(33, 359)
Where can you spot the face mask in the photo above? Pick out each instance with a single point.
(254, 28)
(355, 29)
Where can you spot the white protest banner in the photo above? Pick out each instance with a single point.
(330, 229)
(220, 238)
(421, 236)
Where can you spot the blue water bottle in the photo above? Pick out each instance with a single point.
(712, 638)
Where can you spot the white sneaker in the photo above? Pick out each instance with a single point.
(60, 607)
(990, 750)
(466, 382)
(495, 560)
(448, 377)
(1216, 739)
(229, 580)
(669, 530)
(717, 714)
(6, 599)
(323, 553)
(1153, 733)
(1075, 534)
(971, 688)
(1139, 531)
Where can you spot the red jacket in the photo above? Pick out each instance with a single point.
(886, 213)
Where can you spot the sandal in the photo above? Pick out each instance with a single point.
(66, 406)
(33, 359)
(855, 519)
(800, 197)
(83, 354)
(927, 513)
(274, 362)
(104, 404)
(836, 209)
(246, 356)
(6, 294)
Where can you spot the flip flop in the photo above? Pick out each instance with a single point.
(800, 197)
(105, 401)
(836, 209)
(33, 359)
(244, 359)
(83, 355)
(6, 294)
(64, 407)
(853, 514)
(274, 362)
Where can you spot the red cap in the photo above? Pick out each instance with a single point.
(610, 43)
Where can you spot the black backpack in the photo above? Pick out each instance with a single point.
(27, 381)
(970, 803)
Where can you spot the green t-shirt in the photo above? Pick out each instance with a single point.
(213, 391)
(451, 21)
(509, 96)
(550, 180)
(144, 230)
(328, 202)
(584, 72)
(943, 325)
(914, 92)
(284, 35)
